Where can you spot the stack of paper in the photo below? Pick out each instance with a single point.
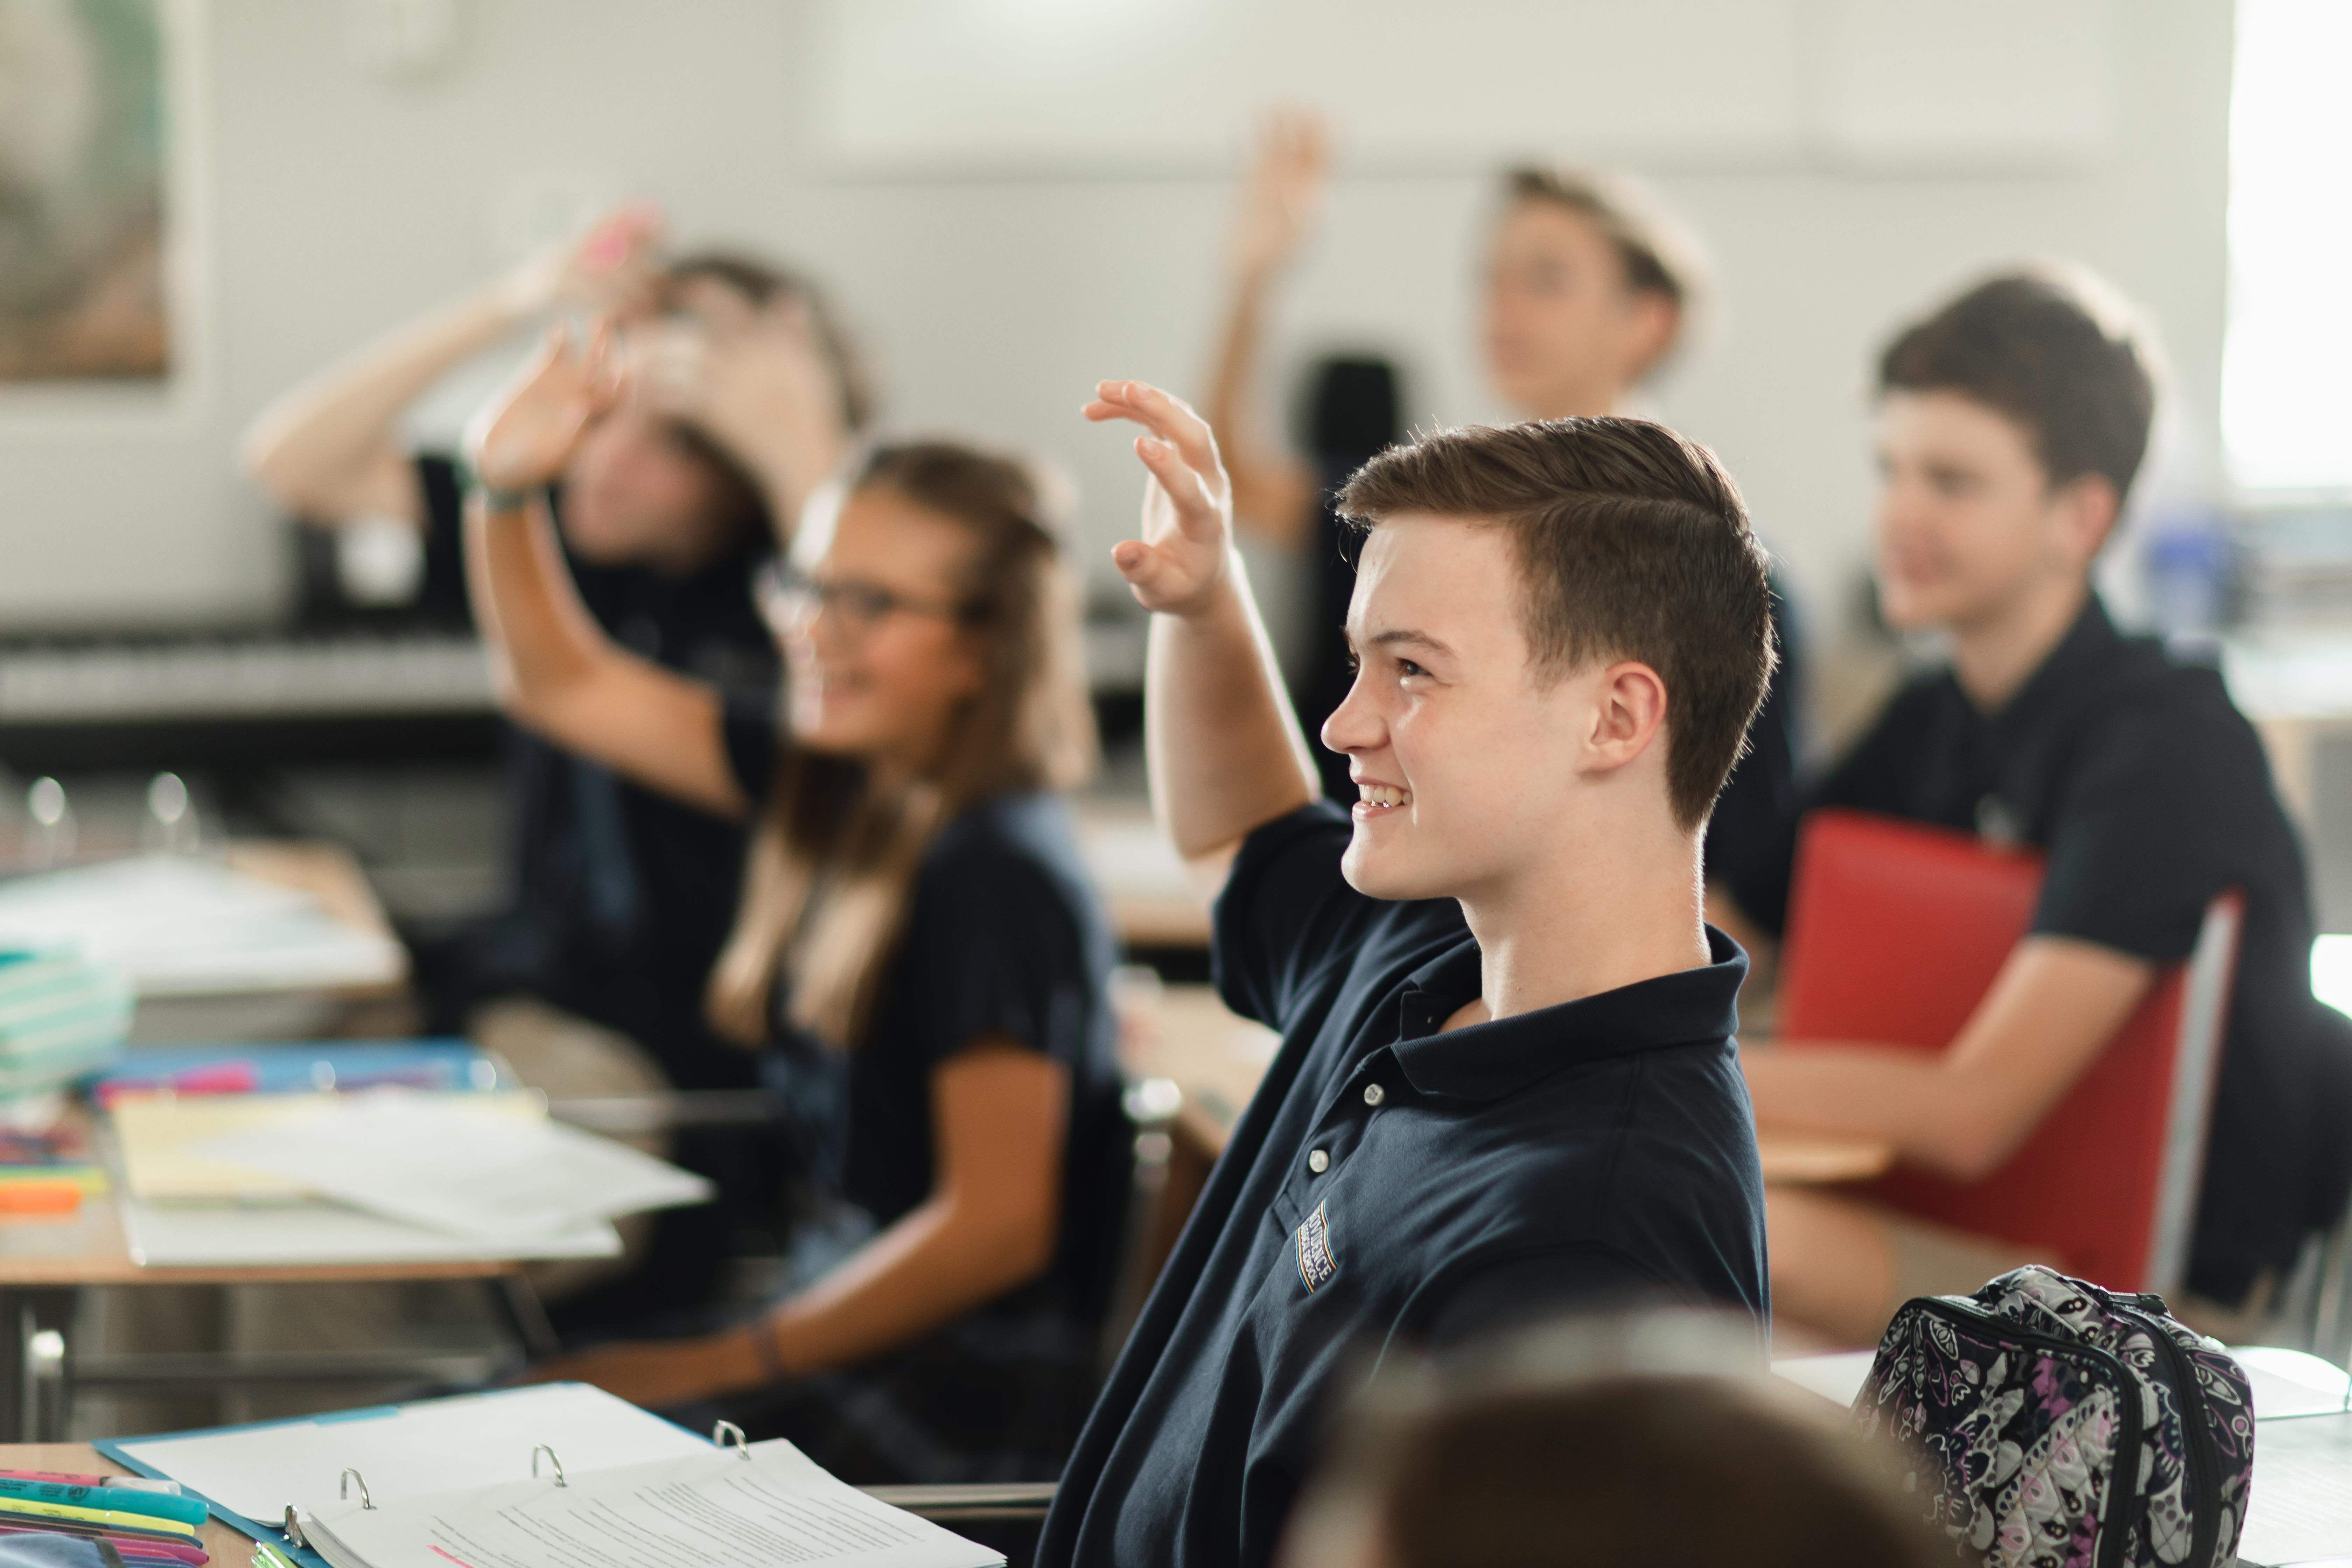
(387, 1175)
(184, 927)
(61, 1016)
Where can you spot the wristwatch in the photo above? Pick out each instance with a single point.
(499, 501)
(496, 499)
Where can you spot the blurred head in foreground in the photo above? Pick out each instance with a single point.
(1557, 1458)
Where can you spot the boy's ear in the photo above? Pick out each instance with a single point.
(2087, 508)
(1629, 711)
(1657, 321)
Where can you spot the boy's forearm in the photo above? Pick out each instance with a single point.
(1225, 752)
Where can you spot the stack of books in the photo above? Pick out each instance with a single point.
(61, 1017)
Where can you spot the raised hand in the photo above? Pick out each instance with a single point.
(760, 383)
(1279, 199)
(1184, 556)
(611, 270)
(526, 434)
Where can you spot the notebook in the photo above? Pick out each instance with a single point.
(450, 1480)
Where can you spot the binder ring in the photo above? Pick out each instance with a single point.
(343, 1488)
(728, 1435)
(294, 1529)
(553, 1463)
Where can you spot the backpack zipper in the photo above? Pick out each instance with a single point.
(2196, 1436)
(2112, 1532)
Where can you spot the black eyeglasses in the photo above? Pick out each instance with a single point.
(790, 600)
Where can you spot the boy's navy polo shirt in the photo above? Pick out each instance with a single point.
(2149, 794)
(1392, 1185)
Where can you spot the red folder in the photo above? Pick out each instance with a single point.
(1895, 932)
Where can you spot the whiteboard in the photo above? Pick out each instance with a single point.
(1086, 87)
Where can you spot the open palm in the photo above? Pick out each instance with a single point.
(528, 432)
(1188, 502)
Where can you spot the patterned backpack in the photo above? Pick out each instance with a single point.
(2073, 1428)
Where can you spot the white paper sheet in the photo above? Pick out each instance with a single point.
(413, 1450)
(438, 1161)
(775, 1508)
(2290, 1383)
(1837, 1376)
(298, 1234)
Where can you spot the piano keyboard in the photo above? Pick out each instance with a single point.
(195, 680)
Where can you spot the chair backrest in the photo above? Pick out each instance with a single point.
(1895, 932)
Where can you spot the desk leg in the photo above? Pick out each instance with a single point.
(33, 1390)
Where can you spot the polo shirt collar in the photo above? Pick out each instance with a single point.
(1487, 1061)
(2088, 643)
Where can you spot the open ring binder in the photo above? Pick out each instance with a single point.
(467, 1477)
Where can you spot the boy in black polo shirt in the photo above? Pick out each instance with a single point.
(2011, 424)
(1507, 1082)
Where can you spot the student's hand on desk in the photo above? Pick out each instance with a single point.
(526, 434)
(662, 1371)
(1182, 559)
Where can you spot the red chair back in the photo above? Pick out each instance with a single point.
(1895, 932)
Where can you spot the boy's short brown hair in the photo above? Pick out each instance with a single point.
(2055, 351)
(1658, 257)
(1633, 543)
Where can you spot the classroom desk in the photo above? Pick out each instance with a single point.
(46, 1263)
(330, 874)
(247, 980)
(2296, 688)
(1151, 901)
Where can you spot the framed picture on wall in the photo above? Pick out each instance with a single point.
(96, 207)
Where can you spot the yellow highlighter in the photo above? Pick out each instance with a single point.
(106, 1518)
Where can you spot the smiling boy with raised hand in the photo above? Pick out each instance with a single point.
(1507, 1084)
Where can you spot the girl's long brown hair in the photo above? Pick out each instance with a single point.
(833, 860)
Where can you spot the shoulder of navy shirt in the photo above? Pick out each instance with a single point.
(1390, 1186)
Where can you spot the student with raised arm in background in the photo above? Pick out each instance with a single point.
(1507, 1082)
(915, 927)
(1589, 291)
(590, 981)
(2011, 424)
(666, 509)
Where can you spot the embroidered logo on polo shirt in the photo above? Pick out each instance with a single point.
(1316, 1264)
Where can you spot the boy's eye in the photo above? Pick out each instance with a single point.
(1406, 667)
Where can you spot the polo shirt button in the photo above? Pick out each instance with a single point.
(1319, 1161)
(1374, 1094)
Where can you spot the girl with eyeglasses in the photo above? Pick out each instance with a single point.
(915, 921)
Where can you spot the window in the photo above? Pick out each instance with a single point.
(2286, 365)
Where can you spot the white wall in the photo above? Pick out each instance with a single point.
(341, 201)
